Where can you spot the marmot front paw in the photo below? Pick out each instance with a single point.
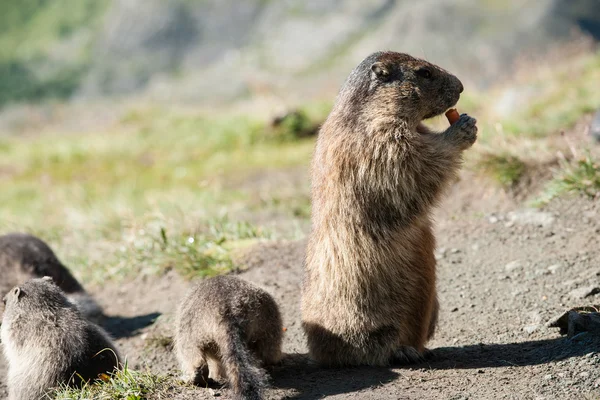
(463, 132)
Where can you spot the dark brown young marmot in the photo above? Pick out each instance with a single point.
(369, 293)
(47, 342)
(225, 328)
(23, 257)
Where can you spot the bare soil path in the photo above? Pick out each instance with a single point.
(504, 271)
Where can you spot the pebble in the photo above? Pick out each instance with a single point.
(441, 253)
(584, 374)
(553, 268)
(547, 377)
(511, 266)
(529, 329)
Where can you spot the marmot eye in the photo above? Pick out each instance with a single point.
(424, 72)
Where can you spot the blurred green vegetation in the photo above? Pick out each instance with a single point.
(563, 98)
(560, 97)
(19, 83)
(300, 123)
(506, 169)
(509, 144)
(36, 61)
(163, 189)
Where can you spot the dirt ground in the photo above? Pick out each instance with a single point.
(504, 271)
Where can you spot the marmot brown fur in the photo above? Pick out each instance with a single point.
(47, 342)
(225, 329)
(369, 293)
(23, 257)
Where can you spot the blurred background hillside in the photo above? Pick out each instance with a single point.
(216, 51)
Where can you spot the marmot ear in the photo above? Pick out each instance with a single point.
(380, 70)
(17, 292)
(47, 278)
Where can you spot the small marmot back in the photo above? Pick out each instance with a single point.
(24, 257)
(369, 294)
(47, 342)
(225, 329)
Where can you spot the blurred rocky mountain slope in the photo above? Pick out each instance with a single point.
(218, 50)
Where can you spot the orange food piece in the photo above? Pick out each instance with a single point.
(452, 116)
(285, 329)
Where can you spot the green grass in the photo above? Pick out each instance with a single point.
(205, 252)
(579, 176)
(161, 190)
(504, 168)
(125, 384)
(198, 254)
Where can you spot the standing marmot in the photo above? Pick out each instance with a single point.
(23, 257)
(369, 292)
(224, 328)
(47, 342)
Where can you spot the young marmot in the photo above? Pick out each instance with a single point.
(47, 342)
(24, 257)
(225, 328)
(369, 293)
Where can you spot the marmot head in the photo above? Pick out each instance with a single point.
(37, 295)
(387, 86)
